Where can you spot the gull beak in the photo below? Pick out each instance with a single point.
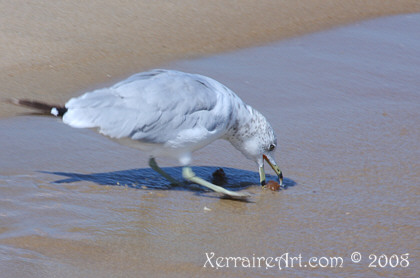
(275, 168)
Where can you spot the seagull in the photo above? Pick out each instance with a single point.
(168, 113)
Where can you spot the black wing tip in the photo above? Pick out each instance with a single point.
(58, 111)
(41, 107)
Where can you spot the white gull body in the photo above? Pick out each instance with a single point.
(172, 113)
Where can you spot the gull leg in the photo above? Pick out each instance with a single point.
(154, 166)
(188, 174)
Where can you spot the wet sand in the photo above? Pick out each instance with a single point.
(345, 106)
(55, 50)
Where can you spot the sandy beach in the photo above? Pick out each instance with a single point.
(341, 93)
(55, 50)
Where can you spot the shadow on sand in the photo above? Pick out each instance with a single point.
(146, 178)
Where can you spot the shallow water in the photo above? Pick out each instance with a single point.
(346, 107)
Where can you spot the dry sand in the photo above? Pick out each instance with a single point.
(52, 50)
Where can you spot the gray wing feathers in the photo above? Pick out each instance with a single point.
(153, 107)
(105, 111)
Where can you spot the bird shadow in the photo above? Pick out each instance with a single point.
(146, 178)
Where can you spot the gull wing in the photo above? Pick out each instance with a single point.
(159, 106)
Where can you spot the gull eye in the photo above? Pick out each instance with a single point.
(271, 148)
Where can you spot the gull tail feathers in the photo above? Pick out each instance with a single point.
(41, 107)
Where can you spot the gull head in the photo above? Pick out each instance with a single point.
(256, 139)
